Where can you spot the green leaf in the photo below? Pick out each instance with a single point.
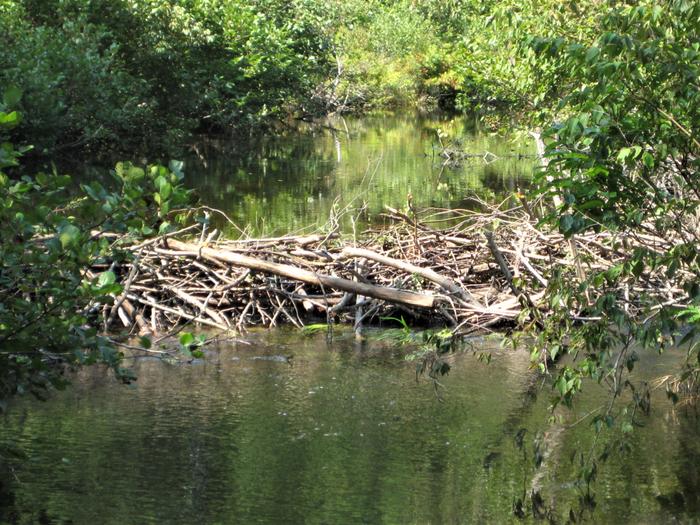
(106, 279)
(623, 154)
(128, 172)
(561, 386)
(638, 268)
(9, 120)
(135, 174)
(93, 190)
(12, 96)
(186, 339)
(164, 188)
(566, 223)
(68, 235)
(596, 203)
(42, 178)
(690, 314)
(592, 54)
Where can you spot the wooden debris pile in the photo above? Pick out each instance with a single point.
(475, 273)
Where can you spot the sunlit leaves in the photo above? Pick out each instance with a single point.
(50, 302)
(623, 161)
(107, 284)
(69, 236)
(567, 385)
(9, 120)
(190, 345)
(129, 74)
(128, 172)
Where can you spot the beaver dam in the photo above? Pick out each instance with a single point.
(482, 271)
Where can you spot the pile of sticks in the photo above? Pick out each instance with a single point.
(470, 270)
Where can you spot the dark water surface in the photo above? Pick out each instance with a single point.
(339, 433)
(291, 181)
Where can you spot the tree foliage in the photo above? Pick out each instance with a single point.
(625, 160)
(150, 72)
(51, 304)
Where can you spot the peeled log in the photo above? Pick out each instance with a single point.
(285, 270)
(427, 273)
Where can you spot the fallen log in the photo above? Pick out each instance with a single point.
(427, 273)
(285, 270)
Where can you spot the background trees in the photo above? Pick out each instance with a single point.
(148, 74)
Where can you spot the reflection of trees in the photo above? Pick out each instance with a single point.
(292, 181)
(265, 169)
(685, 500)
(246, 439)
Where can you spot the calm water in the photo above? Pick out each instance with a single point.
(343, 434)
(297, 180)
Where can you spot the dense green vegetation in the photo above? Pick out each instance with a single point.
(625, 160)
(623, 156)
(50, 304)
(146, 75)
(614, 85)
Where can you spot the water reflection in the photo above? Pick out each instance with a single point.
(290, 181)
(334, 435)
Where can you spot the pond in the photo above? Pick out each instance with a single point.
(352, 168)
(286, 428)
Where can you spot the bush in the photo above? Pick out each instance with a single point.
(394, 58)
(51, 304)
(151, 72)
(75, 91)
